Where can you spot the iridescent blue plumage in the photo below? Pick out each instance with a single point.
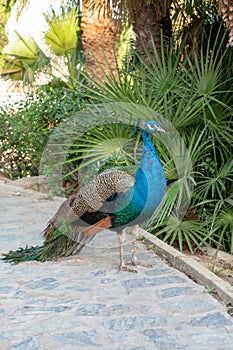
(140, 201)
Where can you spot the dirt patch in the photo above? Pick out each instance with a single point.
(217, 262)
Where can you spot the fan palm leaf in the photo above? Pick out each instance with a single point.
(61, 37)
(216, 185)
(23, 58)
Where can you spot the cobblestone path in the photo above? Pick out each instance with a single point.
(84, 303)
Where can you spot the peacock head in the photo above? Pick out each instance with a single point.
(150, 127)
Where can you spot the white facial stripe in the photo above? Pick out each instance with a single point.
(151, 126)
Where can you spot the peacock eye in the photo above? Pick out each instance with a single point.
(151, 126)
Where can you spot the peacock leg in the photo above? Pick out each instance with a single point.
(123, 266)
(134, 231)
(134, 261)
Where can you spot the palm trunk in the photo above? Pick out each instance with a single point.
(151, 21)
(226, 11)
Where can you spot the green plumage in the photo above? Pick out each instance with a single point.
(50, 250)
(129, 213)
(23, 254)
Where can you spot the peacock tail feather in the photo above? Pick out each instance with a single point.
(49, 251)
(23, 254)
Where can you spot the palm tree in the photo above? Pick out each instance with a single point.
(24, 59)
(150, 19)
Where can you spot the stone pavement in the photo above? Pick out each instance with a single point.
(83, 302)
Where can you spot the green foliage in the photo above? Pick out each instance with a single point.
(125, 46)
(3, 19)
(26, 126)
(195, 18)
(194, 93)
(61, 36)
(24, 59)
(109, 143)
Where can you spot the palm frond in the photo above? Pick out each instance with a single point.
(61, 37)
(187, 233)
(22, 59)
(215, 186)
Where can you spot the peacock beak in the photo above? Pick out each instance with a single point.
(160, 129)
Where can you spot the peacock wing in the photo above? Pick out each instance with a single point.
(91, 197)
(84, 214)
(86, 202)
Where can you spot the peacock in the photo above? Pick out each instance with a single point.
(112, 200)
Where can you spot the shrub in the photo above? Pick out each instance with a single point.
(26, 125)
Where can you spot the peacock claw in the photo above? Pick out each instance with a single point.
(127, 268)
(133, 262)
(144, 264)
(138, 263)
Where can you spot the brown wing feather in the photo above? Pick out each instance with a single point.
(97, 227)
(89, 198)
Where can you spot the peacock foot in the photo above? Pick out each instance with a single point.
(127, 268)
(144, 264)
(135, 262)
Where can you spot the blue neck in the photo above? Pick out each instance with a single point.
(140, 201)
(150, 161)
(150, 178)
(148, 144)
